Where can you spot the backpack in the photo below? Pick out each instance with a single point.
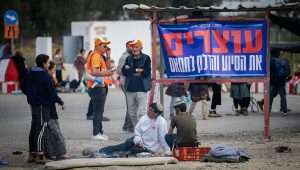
(282, 68)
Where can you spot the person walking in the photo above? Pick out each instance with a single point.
(59, 65)
(55, 145)
(79, 64)
(127, 126)
(96, 67)
(41, 94)
(137, 72)
(279, 74)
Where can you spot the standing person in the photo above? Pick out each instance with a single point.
(41, 94)
(137, 72)
(127, 126)
(96, 67)
(149, 135)
(216, 100)
(240, 92)
(199, 92)
(175, 90)
(279, 74)
(59, 64)
(89, 114)
(55, 145)
(79, 64)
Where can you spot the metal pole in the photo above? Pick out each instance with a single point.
(154, 54)
(267, 85)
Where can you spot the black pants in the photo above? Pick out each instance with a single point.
(58, 76)
(278, 89)
(40, 117)
(243, 102)
(216, 98)
(90, 107)
(98, 97)
(127, 147)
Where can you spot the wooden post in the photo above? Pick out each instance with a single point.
(267, 85)
(154, 54)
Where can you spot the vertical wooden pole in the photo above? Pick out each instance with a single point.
(267, 85)
(154, 54)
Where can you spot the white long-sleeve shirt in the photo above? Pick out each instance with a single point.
(151, 133)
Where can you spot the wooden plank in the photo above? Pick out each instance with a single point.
(100, 162)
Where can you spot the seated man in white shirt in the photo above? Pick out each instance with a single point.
(149, 135)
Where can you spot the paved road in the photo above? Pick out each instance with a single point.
(15, 121)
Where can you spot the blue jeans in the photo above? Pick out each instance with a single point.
(127, 147)
(98, 97)
(170, 139)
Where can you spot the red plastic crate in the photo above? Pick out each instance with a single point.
(190, 153)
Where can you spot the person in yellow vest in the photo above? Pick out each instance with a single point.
(97, 85)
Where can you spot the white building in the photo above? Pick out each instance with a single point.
(118, 32)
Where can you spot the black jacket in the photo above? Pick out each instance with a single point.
(134, 82)
(39, 89)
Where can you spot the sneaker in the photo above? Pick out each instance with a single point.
(100, 137)
(105, 119)
(288, 110)
(213, 113)
(284, 113)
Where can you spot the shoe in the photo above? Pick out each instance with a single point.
(244, 111)
(40, 158)
(213, 113)
(105, 119)
(284, 113)
(89, 117)
(31, 157)
(237, 112)
(261, 105)
(100, 137)
(287, 110)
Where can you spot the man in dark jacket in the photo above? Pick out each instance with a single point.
(41, 94)
(279, 73)
(137, 72)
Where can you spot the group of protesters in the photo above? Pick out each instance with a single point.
(149, 126)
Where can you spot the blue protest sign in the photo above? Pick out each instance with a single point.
(214, 48)
(11, 17)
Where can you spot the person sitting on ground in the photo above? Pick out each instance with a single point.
(149, 135)
(185, 124)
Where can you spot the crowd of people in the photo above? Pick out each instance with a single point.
(149, 127)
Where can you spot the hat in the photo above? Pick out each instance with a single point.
(138, 43)
(157, 108)
(100, 41)
(178, 102)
